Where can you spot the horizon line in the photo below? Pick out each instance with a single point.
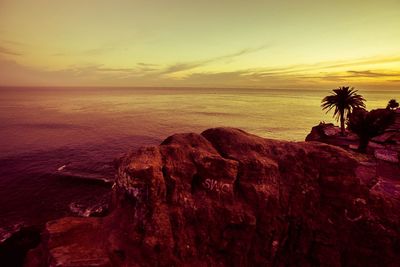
(184, 87)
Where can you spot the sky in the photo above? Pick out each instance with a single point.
(218, 43)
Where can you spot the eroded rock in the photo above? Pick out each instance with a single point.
(229, 198)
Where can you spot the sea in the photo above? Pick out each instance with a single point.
(58, 145)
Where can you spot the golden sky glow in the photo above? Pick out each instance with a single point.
(268, 44)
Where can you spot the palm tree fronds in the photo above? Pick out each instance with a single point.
(344, 100)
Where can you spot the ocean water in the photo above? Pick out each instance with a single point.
(54, 140)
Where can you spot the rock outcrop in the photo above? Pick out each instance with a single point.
(329, 134)
(229, 198)
(385, 146)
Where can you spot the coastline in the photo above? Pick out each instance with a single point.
(277, 164)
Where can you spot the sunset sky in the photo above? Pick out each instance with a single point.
(266, 44)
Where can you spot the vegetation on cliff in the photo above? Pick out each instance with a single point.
(350, 109)
(392, 104)
(369, 124)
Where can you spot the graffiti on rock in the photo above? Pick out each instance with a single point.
(216, 186)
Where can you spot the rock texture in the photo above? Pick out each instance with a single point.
(229, 198)
(330, 134)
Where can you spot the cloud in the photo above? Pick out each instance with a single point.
(114, 69)
(329, 65)
(148, 74)
(364, 61)
(7, 51)
(351, 74)
(141, 64)
(237, 54)
(248, 78)
(371, 74)
(178, 67)
(147, 67)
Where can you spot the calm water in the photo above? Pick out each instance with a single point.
(43, 129)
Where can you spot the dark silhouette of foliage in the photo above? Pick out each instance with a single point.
(369, 124)
(392, 104)
(344, 100)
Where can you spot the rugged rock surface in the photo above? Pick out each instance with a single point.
(329, 134)
(228, 198)
(323, 130)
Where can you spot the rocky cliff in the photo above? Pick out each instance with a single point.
(229, 198)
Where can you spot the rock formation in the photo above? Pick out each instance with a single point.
(385, 147)
(330, 134)
(229, 198)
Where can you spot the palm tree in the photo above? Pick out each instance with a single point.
(392, 104)
(344, 100)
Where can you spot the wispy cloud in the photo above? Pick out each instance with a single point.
(371, 74)
(333, 65)
(351, 74)
(178, 67)
(7, 51)
(115, 69)
(150, 74)
(142, 64)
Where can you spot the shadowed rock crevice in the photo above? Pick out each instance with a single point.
(13, 250)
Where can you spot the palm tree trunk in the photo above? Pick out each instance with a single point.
(342, 123)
